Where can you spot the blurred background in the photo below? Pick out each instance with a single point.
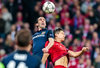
(80, 20)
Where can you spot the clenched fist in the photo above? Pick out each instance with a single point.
(84, 49)
(45, 50)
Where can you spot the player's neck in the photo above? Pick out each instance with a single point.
(58, 40)
(39, 28)
(24, 48)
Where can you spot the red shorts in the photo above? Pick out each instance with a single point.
(59, 66)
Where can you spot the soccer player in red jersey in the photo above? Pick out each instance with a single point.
(58, 52)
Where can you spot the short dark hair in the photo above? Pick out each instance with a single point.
(23, 37)
(57, 30)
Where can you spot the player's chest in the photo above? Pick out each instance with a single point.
(39, 35)
(59, 47)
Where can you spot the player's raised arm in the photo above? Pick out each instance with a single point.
(44, 58)
(51, 41)
(76, 54)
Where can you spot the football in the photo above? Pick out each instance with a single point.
(48, 7)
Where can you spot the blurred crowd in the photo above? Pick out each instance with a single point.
(80, 20)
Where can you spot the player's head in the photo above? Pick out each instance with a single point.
(23, 38)
(41, 22)
(59, 34)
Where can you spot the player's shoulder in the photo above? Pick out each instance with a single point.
(50, 30)
(34, 58)
(46, 43)
(35, 33)
(8, 57)
(57, 43)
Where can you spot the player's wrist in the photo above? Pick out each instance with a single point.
(46, 48)
(83, 50)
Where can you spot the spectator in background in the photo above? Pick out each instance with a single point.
(88, 53)
(85, 4)
(2, 48)
(2, 27)
(67, 30)
(35, 28)
(88, 63)
(88, 11)
(13, 32)
(92, 18)
(81, 63)
(91, 30)
(58, 8)
(97, 13)
(65, 20)
(1, 6)
(26, 26)
(8, 19)
(58, 25)
(78, 34)
(12, 8)
(19, 17)
(51, 25)
(97, 57)
(95, 39)
(19, 21)
(86, 28)
(73, 7)
(19, 25)
(78, 20)
(41, 13)
(96, 53)
(97, 3)
(9, 44)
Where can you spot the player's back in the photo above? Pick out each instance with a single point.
(21, 59)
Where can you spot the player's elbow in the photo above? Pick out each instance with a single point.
(51, 42)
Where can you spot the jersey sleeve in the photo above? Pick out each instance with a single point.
(46, 44)
(67, 49)
(50, 34)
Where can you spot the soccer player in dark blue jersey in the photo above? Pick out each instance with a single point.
(40, 37)
(22, 58)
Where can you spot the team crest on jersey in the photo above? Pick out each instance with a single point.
(43, 33)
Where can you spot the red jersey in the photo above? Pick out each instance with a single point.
(57, 51)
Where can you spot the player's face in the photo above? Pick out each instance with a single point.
(41, 22)
(61, 35)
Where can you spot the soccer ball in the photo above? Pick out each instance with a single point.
(48, 7)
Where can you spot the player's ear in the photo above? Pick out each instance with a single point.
(55, 34)
(16, 42)
(31, 42)
(16, 39)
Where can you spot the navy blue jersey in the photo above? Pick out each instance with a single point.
(21, 59)
(39, 39)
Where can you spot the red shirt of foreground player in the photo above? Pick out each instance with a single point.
(58, 52)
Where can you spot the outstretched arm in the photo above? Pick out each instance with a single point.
(44, 58)
(76, 54)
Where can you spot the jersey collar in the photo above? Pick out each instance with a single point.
(22, 51)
